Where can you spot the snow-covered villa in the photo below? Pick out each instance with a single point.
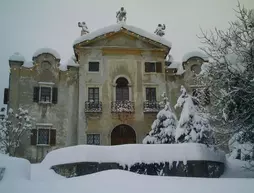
(107, 95)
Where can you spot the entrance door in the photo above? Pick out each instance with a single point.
(123, 134)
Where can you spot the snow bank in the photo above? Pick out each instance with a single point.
(237, 169)
(41, 173)
(48, 51)
(118, 27)
(15, 168)
(192, 54)
(17, 57)
(132, 153)
(112, 181)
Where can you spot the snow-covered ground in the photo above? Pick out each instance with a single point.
(115, 181)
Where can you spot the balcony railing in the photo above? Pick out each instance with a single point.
(93, 107)
(122, 106)
(151, 106)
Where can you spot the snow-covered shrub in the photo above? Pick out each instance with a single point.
(193, 125)
(163, 128)
(13, 127)
(239, 149)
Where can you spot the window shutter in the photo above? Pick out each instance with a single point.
(55, 95)
(6, 96)
(36, 94)
(158, 67)
(52, 137)
(33, 137)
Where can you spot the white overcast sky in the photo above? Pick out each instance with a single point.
(26, 25)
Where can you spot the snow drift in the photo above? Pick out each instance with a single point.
(133, 153)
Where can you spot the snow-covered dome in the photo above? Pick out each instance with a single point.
(193, 54)
(119, 27)
(47, 51)
(17, 57)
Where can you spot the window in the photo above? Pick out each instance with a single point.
(93, 95)
(93, 66)
(93, 139)
(45, 94)
(196, 68)
(151, 94)
(43, 135)
(153, 67)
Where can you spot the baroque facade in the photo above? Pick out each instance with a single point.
(108, 95)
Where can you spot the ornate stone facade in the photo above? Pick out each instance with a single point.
(110, 95)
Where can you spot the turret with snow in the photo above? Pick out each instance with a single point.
(163, 128)
(193, 125)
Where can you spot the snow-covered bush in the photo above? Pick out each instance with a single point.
(239, 149)
(193, 125)
(13, 127)
(163, 128)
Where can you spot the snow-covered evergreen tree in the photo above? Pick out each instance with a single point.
(13, 127)
(193, 125)
(230, 77)
(163, 128)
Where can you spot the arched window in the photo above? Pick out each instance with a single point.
(122, 89)
(196, 68)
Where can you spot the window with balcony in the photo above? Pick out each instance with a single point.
(93, 104)
(150, 104)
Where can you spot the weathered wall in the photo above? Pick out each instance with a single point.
(61, 115)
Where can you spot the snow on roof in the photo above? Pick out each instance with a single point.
(17, 57)
(174, 64)
(47, 50)
(118, 27)
(192, 54)
(139, 153)
(180, 70)
(28, 64)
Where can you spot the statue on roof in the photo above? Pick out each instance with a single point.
(121, 15)
(160, 30)
(84, 28)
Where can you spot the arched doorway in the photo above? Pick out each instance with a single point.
(122, 89)
(123, 134)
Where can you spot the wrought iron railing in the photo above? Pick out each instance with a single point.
(122, 106)
(151, 106)
(93, 107)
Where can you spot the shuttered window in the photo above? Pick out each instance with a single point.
(43, 135)
(45, 94)
(6, 96)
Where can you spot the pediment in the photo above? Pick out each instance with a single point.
(121, 39)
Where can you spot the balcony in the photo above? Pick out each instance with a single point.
(122, 106)
(151, 107)
(93, 107)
